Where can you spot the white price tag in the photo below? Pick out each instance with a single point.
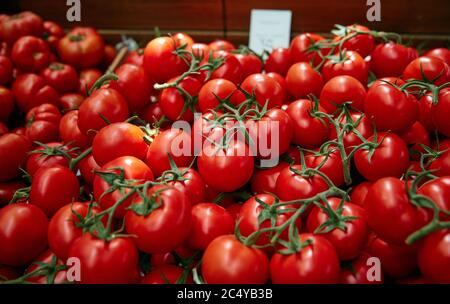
(269, 29)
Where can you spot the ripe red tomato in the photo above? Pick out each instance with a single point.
(47, 258)
(106, 261)
(330, 162)
(30, 54)
(23, 233)
(119, 139)
(390, 109)
(390, 59)
(227, 261)
(438, 190)
(390, 158)
(359, 193)
(264, 180)
(342, 89)
(53, 32)
(103, 104)
(266, 90)
(209, 221)
(230, 69)
(6, 70)
(48, 156)
(43, 123)
(63, 229)
(434, 257)
(82, 48)
(153, 114)
(53, 187)
(62, 77)
(6, 103)
(299, 48)
(11, 162)
(175, 142)
(302, 80)
(167, 274)
(191, 184)
(279, 61)
(161, 62)
(390, 213)
(134, 84)
(31, 90)
(317, 263)
(348, 243)
(135, 57)
(221, 45)
(88, 167)
(22, 24)
(440, 111)
(133, 169)
(7, 191)
(163, 225)
(69, 131)
(415, 137)
(309, 130)
(352, 64)
(87, 79)
(292, 186)
(441, 53)
(223, 89)
(251, 64)
(428, 69)
(356, 272)
(361, 43)
(200, 51)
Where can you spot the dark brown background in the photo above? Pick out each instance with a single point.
(207, 19)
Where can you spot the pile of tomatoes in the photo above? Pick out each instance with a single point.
(94, 189)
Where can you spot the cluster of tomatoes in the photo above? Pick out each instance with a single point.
(91, 174)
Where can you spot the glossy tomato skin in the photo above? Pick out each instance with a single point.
(6, 70)
(53, 32)
(440, 111)
(88, 167)
(317, 263)
(228, 261)
(330, 163)
(440, 53)
(352, 65)
(39, 158)
(438, 190)
(302, 80)
(71, 101)
(135, 57)
(434, 257)
(104, 102)
(173, 141)
(265, 180)
(164, 228)
(119, 139)
(357, 272)
(60, 277)
(53, 187)
(250, 63)
(279, 61)
(11, 162)
(166, 274)
(134, 84)
(23, 233)
(62, 77)
(87, 79)
(30, 54)
(160, 61)
(222, 88)
(22, 24)
(105, 262)
(209, 221)
(349, 244)
(81, 47)
(415, 137)
(359, 193)
(390, 158)
(6, 103)
(361, 43)
(133, 169)
(390, 59)
(62, 229)
(192, 185)
(265, 89)
(299, 48)
(221, 45)
(70, 132)
(7, 191)
(231, 68)
(309, 131)
(428, 69)
(43, 123)
(342, 89)
(31, 90)
(390, 213)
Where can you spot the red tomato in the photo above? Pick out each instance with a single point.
(7, 191)
(227, 261)
(302, 80)
(106, 262)
(292, 186)
(82, 47)
(63, 229)
(415, 137)
(230, 69)
(265, 180)
(135, 57)
(349, 243)
(190, 183)
(173, 141)
(250, 63)
(330, 162)
(300, 45)
(109, 54)
(22, 24)
(134, 85)
(119, 139)
(361, 43)
(43, 123)
(103, 104)
(161, 62)
(167, 274)
(23, 233)
(390, 213)
(133, 169)
(69, 131)
(340, 90)
(87, 79)
(221, 88)
(221, 45)
(359, 193)
(71, 101)
(428, 69)
(11, 162)
(30, 54)
(200, 51)
(309, 130)
(317, 263)
(266, 90)
(441, 53)
(6, 70)
(357, 272)
(62, 77)
(390, 158)
(438, 190)
(47, 258)
(50, 155)
(53, 187)
(440, 111)
(390, 59)
(434, 257)
(6, 103)
(352, 64)
(279, 61)
(209, 221)
(162, 223)
(153, 114)
(31, 90)
(53, 32)
(88, 167)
